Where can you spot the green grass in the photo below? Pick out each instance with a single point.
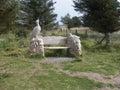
(28, 74)
(56, 53)
(54, 81)
(96, 58)
(20, 71)
(95, 62)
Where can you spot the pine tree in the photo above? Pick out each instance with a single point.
(76, 21)
(102, 15)
(8, 13)
(71, 22)
(42, 9)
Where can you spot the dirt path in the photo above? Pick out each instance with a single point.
(112, 79)
(106, 79)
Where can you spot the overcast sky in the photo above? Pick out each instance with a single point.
(62, 7)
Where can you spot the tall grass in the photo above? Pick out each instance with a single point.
(14, 46)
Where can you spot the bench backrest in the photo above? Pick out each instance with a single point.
(54, 40)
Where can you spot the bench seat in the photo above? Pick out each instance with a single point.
(56, 47)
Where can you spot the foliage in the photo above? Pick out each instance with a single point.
(21, 31)
(13, 46)
(66, 19)
(8, 13)
(101, 15)
(42, 9)
(71, 22)
(76, 21)
(56, 53)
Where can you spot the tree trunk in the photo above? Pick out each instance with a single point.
(99, 42)
(107, 35)
(106, 38)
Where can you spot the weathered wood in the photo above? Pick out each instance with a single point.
(56, 47)
(54, 40)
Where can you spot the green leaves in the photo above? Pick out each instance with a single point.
(102, 15)
(71, 22)
(8, 13)
(42, 9)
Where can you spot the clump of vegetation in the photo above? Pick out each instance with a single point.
(102, 16)
(35, 56)
(14, 46)
(56, 53)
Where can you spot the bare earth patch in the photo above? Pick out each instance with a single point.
(112, 79)
(57, 59)
(106, 79)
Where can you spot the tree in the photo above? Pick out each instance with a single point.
(71, 22)
(42, 9)
(8, 13)
(102, 15)
(65, 19)
(76, 21)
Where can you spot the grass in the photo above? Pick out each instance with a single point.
(28, 74)
(106, 63)
(96, 58)
(56, 53)
(20, 71)
(56, 81)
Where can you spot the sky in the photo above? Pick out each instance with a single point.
(62, 7)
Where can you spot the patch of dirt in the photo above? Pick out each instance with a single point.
(112, 79)
(1, 39)
(106, 79)
(57, 59)
(107, 88)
